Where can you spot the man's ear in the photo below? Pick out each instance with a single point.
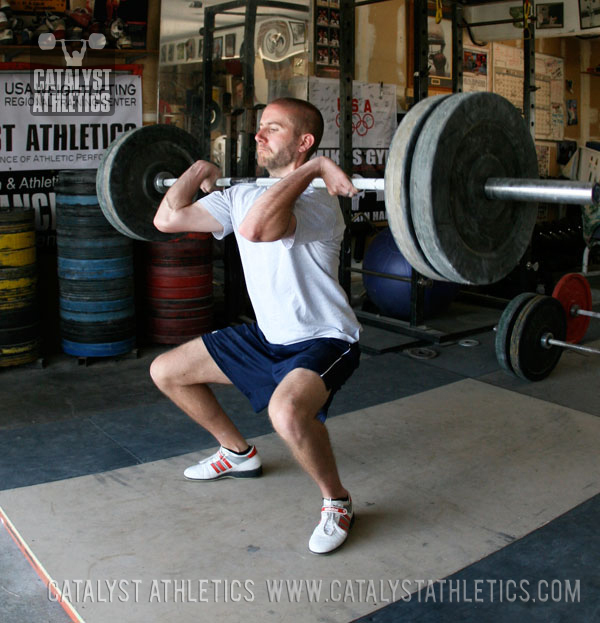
(306, 142)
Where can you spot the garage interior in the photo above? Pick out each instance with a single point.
(476, 490)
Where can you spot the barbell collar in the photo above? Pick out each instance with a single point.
(548, 341)
(544, 191)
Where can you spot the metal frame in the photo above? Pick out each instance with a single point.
(415, 327)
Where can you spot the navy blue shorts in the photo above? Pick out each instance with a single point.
(256, 367)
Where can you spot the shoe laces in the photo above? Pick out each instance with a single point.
(333, 515)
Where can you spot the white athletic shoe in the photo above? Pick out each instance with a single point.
(226, 464)
(337, 518)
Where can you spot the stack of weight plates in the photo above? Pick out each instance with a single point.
(179, 288)
(95, 273)
(19, 320)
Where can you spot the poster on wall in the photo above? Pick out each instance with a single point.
(34, 147)
(373, 126)
(475, 70)
(373, 122)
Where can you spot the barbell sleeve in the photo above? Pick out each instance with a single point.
(545, 191)
(548, 341)
(584, 312)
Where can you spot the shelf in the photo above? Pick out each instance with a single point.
(12, 51)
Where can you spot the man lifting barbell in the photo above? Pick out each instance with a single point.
(304, 345)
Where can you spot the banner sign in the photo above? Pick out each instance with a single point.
(33, 141)
(34, 148)
(373, 122)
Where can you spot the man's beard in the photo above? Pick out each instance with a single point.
(273, 161)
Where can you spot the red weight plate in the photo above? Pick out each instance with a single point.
(573, 291)
(179, 326)
(179, 304)
(180, 248)
(180, 293)
(182, 281)
(170, 339)
(179, 271)
(196, 312)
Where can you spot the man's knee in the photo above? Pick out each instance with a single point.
(160, 371)
(291, 417)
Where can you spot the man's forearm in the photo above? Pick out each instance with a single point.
(271, 216)
(176, 211)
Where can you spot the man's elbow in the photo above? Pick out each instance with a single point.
(164, 225)
(260, 235)
(252, 233)
(257, 232)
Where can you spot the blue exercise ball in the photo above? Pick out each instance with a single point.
(392, 297)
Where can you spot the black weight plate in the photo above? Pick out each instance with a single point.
(83, 222)
(397, 186)
(102, 187)
(129, 171)
(467, 139)
(76, 182)
(103, 191)
(531, 360)
(505, 328)
(8, 218)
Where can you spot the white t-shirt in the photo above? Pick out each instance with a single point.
(292, 283)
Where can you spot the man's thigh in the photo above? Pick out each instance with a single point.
(191, 363)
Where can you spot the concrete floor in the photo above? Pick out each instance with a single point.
(475, 487)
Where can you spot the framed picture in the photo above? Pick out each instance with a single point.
(190, 49)
(589, 13)
(298, 32)
(217, 48)
(550, 15)
(439, 49)
(230, 45)
(439, 52)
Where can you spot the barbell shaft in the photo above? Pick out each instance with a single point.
(508, 189)
(544, 191)
(362, 183)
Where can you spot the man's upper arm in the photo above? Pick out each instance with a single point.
(314, 220)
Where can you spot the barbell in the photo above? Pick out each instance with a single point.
(460, 186)
(534, 330)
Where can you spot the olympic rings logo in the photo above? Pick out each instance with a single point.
(361, 124)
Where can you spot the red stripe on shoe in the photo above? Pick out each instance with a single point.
(252, 453)
(226, 462)
(215, 467)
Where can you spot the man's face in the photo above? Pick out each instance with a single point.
(276, 140)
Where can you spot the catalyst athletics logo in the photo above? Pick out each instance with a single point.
(74, 90)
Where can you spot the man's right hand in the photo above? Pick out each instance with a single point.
(337, 182)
